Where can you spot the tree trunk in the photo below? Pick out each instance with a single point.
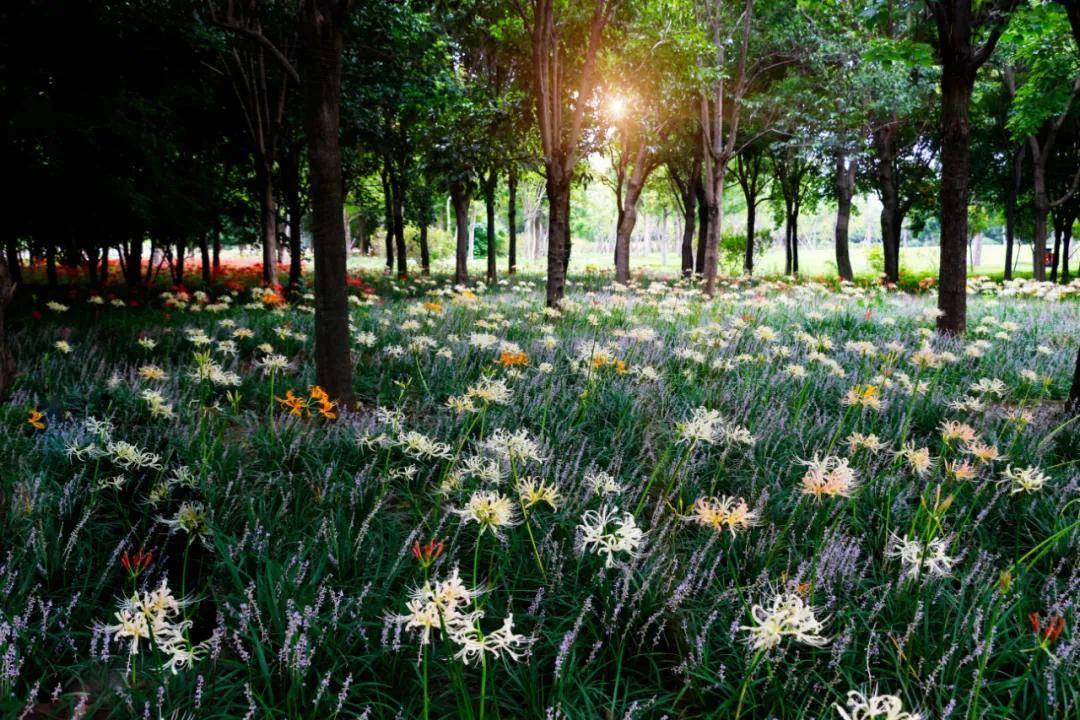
(491, 184)
(268, 225)
(845, 191)
(751, 222)
(181, 255)
(388, 200)
(92, 266)
(511, 220)
(1040, 206)
(204, 258)
(425, 255)
(1066, 238)
(703, 227)
(217, 246)
(104, 265)
(7, 359)
(624, 229)
(1056, 261)
(1074, 393)
(558, 192)
(291, 176)
(133, 269)
(1012, 192)
(461, 198)
(50, 267)
(689, 218)
(322, 31)
(885, 149)
(398, 187)
(956, 85)
(11, 250)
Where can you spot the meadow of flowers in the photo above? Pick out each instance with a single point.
(790, 500)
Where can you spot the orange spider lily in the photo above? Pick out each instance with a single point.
(35, 419)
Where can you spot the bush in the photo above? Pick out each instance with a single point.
(440, 243)
(733, 250)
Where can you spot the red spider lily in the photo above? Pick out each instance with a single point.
(1047, 636)
(135, 564)
(427, 554)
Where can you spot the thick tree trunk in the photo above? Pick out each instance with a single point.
(398, 187)
(845, 191)
(715, 214)
(461, 198)
(511, 220)
(133, 269)
(92, 266)
(558, 192)
(50, 268)
(1074, 393)
(11, 251)
(956, 84)
(104, 265)
(178, 265)
(268, 225)
(885, 149)
(7, 359)
(425, 254)
(322, 26)
(624, 229)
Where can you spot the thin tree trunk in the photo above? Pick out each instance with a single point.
(322, 31)
(703, 227)
(1066, 238)
(425, 255)
(1012, 192)
(204, 258)
(1040, 206)
(624, 229)
(1074, 393)
(511, 220)
(491, 184)
(388, 200)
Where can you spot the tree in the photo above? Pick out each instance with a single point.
(257, 61)
(960, 57)
(564, 46)
(720, 125)
(322, 31)
(753, 178)
(1043, 78)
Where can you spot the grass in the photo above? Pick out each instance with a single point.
(291, 536)
(813, 262)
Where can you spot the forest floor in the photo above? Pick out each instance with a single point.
(647, 505)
